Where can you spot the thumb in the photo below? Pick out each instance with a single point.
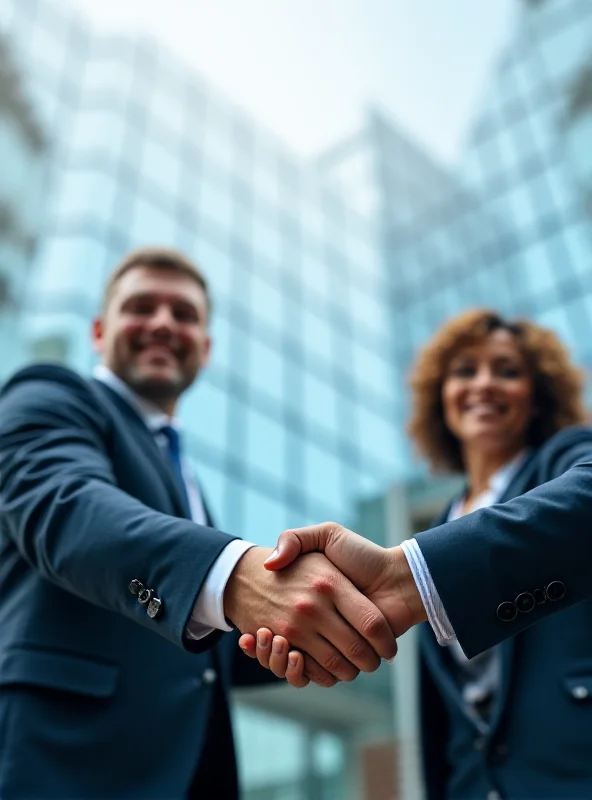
(287, 550)
(301, 540)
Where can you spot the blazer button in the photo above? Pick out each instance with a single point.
(507, 611)
(555, 590)
(525, 602)
(479, 744)
(540, 596)
(209, 676)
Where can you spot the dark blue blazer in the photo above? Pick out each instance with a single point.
(98, 700)
(540, 740)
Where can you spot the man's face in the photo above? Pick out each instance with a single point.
(153, 334)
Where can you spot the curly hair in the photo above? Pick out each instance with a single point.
(558, 383)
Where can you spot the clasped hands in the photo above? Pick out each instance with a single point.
(337, 599)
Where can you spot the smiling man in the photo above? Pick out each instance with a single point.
(109, 557)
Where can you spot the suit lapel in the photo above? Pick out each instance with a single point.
(145, 439)
(440, 659)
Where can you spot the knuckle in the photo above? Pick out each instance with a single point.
(323, 584)
(325, 681)
(372, 625)
(304, 606)
(358, 650)
(289, 630)
(333, 662)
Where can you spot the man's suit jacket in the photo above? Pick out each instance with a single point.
(97, 699)
(539, 744)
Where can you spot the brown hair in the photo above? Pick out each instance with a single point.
(557, 383)
(160, 258)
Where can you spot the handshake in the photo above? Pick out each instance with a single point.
(338, 599)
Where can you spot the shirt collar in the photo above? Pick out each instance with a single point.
(153, 417)
(500, 480)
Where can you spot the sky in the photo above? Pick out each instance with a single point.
(308, 70)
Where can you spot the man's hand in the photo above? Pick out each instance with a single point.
(316, 609)
(383, 575)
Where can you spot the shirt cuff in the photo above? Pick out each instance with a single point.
(208, 611)
(437, 616)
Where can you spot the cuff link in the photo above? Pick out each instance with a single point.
(146, 597)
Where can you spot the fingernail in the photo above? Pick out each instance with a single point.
(261, 640)
(271, 556)
(278, 647)
(391, 660)
(292, 659)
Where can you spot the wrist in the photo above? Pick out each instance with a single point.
(407, 587)
(241, 581)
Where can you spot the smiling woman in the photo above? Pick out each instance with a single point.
(491, 399)
(485, 383)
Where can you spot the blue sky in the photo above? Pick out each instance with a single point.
(308, 69)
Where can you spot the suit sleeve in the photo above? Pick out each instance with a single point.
(492, 555)
(70, 521)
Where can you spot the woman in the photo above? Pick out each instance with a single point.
(495, 400)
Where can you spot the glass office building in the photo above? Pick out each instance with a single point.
(326, 278)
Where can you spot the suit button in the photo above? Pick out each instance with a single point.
(580, 692)
(501, 750)
(507, 611)
(555, 590)
(540, 596)
(479, 743)
(525, 602)
(209, 676)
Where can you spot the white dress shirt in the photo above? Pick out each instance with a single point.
(435, 611)
(208, 611)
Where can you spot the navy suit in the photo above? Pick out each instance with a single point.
(97, 699)
(539, 744)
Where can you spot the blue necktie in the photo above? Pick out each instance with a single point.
(174, 453)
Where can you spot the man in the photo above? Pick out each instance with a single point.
(106, 542)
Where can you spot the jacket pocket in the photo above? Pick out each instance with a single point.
(55, 670)
(579, 688)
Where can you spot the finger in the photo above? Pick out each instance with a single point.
(248, 644)
(278, 660)
(295, 671)
(286, 551)
(293, 542)
(368, 623)
(317, 674)
(264, 637)
(329, 652)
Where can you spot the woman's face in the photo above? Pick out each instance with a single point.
(488, 392)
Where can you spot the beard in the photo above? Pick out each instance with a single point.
(157, 389)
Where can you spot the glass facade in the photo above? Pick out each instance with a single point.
(326, 279)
